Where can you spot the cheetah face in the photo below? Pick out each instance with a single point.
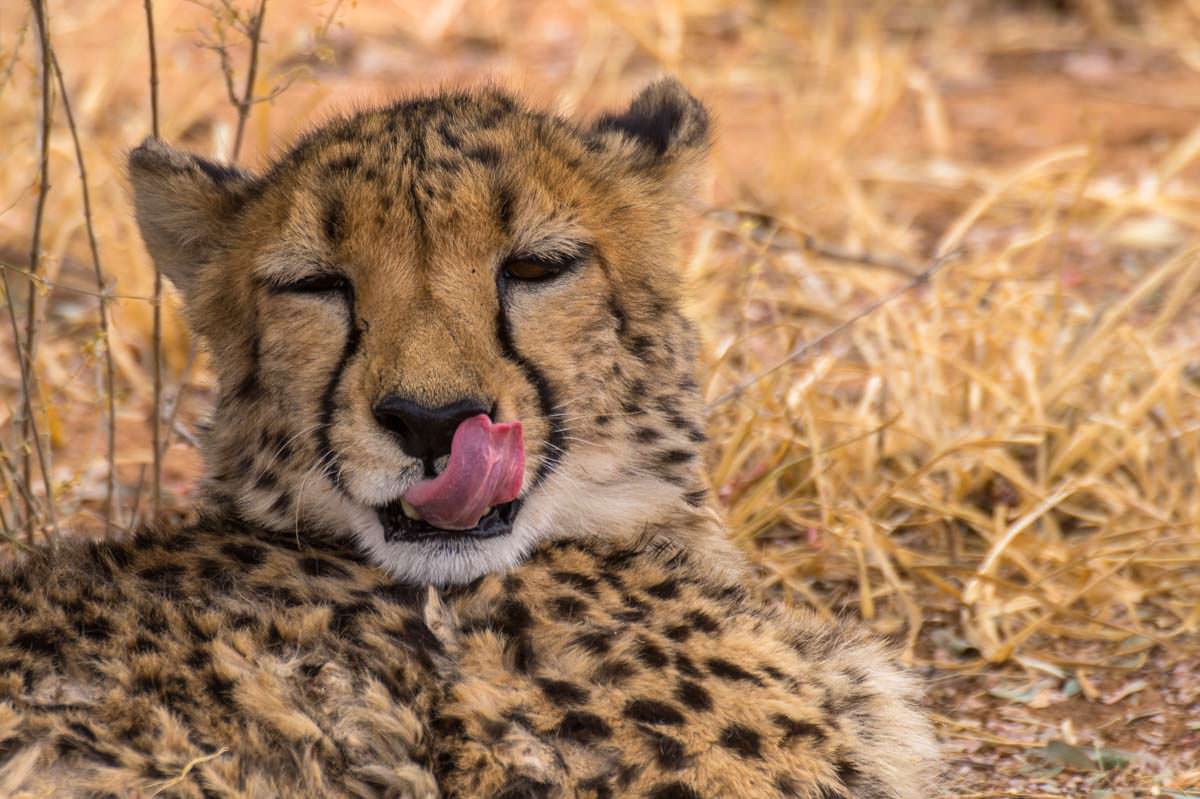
(449, 327)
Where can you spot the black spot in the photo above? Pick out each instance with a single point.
(693, 695)
(583, 727)
(334, 220)
(787, 787)
(647, 435)
(792, 729)
(198, 659)
(847, 773)
(731, 671)
(696, 498)
(650, 654)
(597, 643)
(221, 690)
(320, 567)
(82, 730)
(164, 579)
(567, 608)
(448, 136)
(561, 692)
(215, 571)
(679, 632)
(248, 555)
(345, 615)
(145, 645)
(265, 481)
(512, 618)
(348, 164)
(673, 457)
(774, 673)
(583, 582)
(743, 741)
(277, 595)
(667, 589)
(639, 347)
(97, 629)
(402, 594)
(685, 665)
(598, 785)
(618, 314)
(702, 621)
(505, 202)
(281, 504)
(651, 711)
(488, 156)
(673, 790)
(669, 752)
(614, 671)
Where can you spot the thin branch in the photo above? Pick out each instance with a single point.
(250, 26)
(808, 346)
(41, 281)
(6, 73)
(255, 36)
(156, 348)
(767, 227)
(149, 6)
(109, 386)
(27, 357)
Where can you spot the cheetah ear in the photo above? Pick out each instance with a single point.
(184, 204)
(664, 122)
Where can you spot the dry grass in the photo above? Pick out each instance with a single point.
(998, 465)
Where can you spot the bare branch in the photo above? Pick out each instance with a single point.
(41, 281)
(255, 37)
(109, 388)
(7, 71)
(156, 345)
(808, 346)
(27, 356)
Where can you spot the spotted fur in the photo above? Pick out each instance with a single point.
(286, 645)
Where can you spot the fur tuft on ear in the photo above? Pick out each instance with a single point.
(663, 119)
(183, 205)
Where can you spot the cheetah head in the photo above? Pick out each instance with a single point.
(450, 327)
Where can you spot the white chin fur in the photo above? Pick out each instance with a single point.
(458, 560)
(590, 496)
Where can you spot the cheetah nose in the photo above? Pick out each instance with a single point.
(423, 432)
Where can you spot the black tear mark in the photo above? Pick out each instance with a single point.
(556, 440)
(326, 456)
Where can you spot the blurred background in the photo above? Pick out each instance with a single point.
(945, 269)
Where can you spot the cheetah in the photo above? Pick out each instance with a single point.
(453, 537)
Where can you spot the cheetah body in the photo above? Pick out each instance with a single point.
(311, 636)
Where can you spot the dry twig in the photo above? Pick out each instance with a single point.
(109, 378)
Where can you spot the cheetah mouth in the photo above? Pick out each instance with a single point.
(400, 526)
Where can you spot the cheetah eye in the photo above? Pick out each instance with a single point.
(541, 268)
(322, 283)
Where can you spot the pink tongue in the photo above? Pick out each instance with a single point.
(487, 462)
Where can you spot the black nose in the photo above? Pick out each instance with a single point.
(424, 432)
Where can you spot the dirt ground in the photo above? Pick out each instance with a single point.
(1059, 139)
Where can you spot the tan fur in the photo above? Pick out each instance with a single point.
(286, 645)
